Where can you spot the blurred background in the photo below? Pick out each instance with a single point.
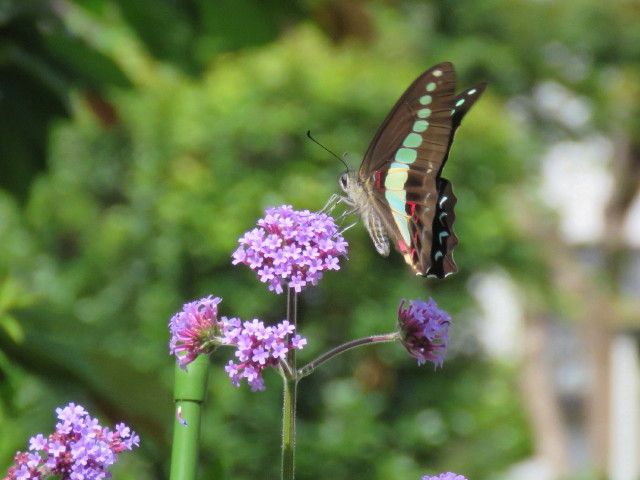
(140, 138)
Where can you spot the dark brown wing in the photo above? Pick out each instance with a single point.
(393, 131)
(444, 241)
(461, 105)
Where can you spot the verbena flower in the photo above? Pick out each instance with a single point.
(445, 476)
(193, 328)
(257, 347)
(78, 449)
(291, 248)
(424, 330)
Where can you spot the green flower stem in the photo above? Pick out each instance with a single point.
(289, 399)
(289, 429)
(286, 371)
(325, 357)
(189, 392)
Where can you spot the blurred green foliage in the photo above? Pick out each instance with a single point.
(139, 139)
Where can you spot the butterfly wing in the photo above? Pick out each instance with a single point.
(400, 168)
(462, 103)
(416, 104)
(444, 238)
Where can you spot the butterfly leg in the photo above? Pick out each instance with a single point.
(344, 215)
(333, 201)
(348, 227)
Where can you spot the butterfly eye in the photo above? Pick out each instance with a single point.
(343, 181)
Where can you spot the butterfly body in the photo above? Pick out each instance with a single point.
(398, 190)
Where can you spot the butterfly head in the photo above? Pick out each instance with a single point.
(351, 186)
(356, 195)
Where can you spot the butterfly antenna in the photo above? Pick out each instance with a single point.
(325, 148)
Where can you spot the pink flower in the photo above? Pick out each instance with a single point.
(424, 330)
(291, 248)
(192, 328)
(257, 348)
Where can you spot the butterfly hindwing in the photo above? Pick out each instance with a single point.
(444, 238)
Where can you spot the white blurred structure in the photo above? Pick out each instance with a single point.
(500, 330)
(577, 184)
(625, 418)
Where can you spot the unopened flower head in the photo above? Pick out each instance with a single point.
(257, 347)
(78, 449)
(424, 330)
(445, 476)
(291, 248)
(192, 329)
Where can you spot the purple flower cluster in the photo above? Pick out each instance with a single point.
(258, 347)
(291, 248)
(196, 329)
(424, 330)
(445, 476)
(79, 449)
(192, 328)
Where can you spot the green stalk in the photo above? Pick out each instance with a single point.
(289, 399)
(334, 352)
(189, 392)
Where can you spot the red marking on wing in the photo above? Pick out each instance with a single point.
(412, 208)
(378, 180)
(403, 246)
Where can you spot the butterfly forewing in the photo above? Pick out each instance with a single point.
(428, 99)
(461, 105)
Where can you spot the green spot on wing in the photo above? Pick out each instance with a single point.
(412, 140)
(420, 125)
(424, 112)
(431, 86)
(403, 226)
(406, 155)
(396, 200)
(459, 102)
(399, 166)
(425, 99)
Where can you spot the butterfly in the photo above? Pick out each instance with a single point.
(398, 191)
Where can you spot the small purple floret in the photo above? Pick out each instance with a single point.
(445, 476)
(79, 449)
(257, 347)
(291, 248)
(424, 330)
